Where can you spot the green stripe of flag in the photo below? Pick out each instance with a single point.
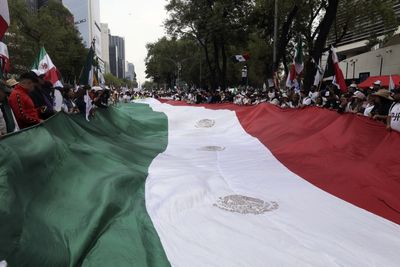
(72, 192)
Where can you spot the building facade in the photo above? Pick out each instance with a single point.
(359, 60)
(130, 72)
(87, 20)
(117, 46)
(105, 46)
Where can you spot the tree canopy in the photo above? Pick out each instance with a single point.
(52, 27)
(219, 29)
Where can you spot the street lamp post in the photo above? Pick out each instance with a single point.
(381, 64)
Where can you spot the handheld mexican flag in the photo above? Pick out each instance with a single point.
(298, 57)
(4, 17)
(333, 70)
(297, 67)
(44, 66)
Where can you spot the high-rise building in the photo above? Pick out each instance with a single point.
(130, 72)
(118, 43)
(113, 57)
(87, 19)
(105, 46)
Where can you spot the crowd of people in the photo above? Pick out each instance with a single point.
(32, 99)
(375, 102)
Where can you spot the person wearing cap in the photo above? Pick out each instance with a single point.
(382, 101)
(393, 120)
(356, 103)
(21, 103)
(376, 86)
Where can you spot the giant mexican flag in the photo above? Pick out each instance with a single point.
(156, 184)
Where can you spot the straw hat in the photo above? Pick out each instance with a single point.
(11, 82)
(383, 93)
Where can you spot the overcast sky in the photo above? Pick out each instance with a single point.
(140, 22)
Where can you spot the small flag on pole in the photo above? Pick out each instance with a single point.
(391, 84)
(44, 65)
(241, 58)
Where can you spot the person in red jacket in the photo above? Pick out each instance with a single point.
(21, 103)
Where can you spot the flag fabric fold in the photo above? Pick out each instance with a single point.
(44, 66)
(156, 185)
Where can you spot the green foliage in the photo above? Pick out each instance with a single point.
(166, 57)
(52, 26)
(223, 28)
(116, 82)
(149, 85)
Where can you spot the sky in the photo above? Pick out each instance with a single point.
(140, 22)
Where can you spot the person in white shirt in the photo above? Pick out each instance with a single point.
(58, 100)
(393, 120)
(369, 106)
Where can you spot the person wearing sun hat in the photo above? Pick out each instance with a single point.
(11, 83)
(393, 120)
(382, 101)
(21, 103)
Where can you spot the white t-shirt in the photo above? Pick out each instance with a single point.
(58, 100)
(394, 113)
(368, 109)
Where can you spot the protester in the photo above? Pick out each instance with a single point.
(21, 103)
(382, 101)
(11, 83)
(41, 97)
(58, 99)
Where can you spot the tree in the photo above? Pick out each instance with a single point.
(215, 24)
(171, 60)
(51, 27)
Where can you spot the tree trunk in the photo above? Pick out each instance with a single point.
(284, 37)
(320, 43)
(224, 65)
(217, 63)
(210, 66)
